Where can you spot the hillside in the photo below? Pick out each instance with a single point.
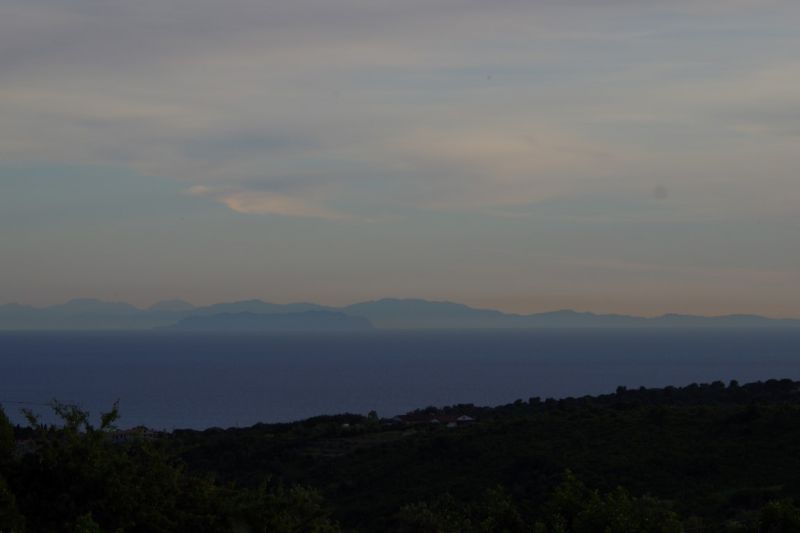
(715, 452)
(702, 458)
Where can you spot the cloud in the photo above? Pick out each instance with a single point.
(319, 108)
(263, 202)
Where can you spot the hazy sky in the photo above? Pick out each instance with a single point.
(636, 156)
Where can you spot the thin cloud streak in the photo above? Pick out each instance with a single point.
(267, 203)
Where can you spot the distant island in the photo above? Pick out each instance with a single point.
(304, 321)
(387, 313)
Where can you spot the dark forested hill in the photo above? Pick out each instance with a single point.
(713, 454)
(711, 457)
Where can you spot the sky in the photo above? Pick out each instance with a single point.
(633, 156)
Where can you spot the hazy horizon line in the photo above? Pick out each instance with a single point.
(399, 298)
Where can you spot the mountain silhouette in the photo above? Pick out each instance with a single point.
(386, 313)
(171, 306)
(303, 321)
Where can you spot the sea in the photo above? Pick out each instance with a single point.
(172, 380)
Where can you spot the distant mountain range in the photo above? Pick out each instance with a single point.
(388, 313)
(303, 321)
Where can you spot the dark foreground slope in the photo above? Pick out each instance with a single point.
(709, 457)
(713, 454)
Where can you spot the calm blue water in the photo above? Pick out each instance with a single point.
(168, 380)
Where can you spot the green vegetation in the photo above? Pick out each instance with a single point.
(710, 458)
(75, 479)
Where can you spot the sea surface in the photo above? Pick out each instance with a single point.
(169, 380)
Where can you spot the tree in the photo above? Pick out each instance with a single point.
(277, 509)
(86, 524)
(6, 438)
(574, 508)
(444, 515)
(781, 516)
(11, 520)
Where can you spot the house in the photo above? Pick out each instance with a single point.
(450, 420)
(137, 434)
(453, 420)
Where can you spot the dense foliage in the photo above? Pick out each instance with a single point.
(714, 457)
(76, 479)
